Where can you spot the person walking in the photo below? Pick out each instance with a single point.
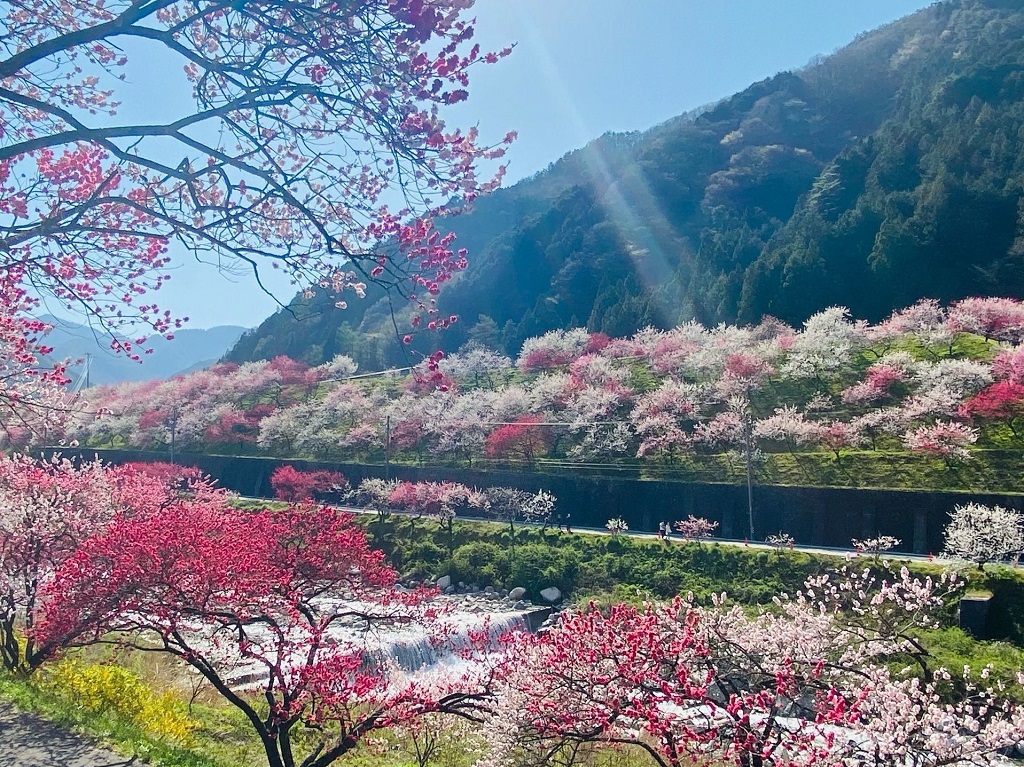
(661, 531)
(667, 526)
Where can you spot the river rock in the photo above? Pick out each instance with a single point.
(444, 582)
(517, 593)
(551, 594)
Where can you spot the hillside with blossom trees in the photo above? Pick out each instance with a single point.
(933, 396)
(887, 172)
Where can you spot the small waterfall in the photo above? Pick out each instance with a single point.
(415, 651)
(410, 648)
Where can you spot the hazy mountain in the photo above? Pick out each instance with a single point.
(889, 171)
(190, 349)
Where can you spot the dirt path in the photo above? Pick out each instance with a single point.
(27, 740)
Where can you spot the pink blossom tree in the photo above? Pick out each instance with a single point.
(268, 171)
(664, 418)
(34, 406)
(47, 510)
(944, 439)
(789, 425)
(925, 322)
(1008, 365)
(838, 435)
(998, 318)
(553, 349)
(695, 528)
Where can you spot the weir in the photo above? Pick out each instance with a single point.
(412, 648)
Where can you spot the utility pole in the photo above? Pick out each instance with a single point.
(88, 368)
(387, 448)
(172, 424)
(748, 428)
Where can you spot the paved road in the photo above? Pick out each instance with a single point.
(27, 740)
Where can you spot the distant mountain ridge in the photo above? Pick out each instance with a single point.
(889, 171)
(190, 349)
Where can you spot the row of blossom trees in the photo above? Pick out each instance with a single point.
(302, 136)
(274, 609)
(928, 380)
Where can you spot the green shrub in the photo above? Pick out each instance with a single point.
(481, 563)
(536, 566)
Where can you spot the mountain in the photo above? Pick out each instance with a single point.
(888, 171)
(191, 349)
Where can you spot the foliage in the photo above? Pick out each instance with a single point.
(583, 565)
(882, 174)
(481, 563)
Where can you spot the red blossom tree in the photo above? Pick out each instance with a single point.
(272, 608)
(294, 485)
(526, 439)
(1003, 400)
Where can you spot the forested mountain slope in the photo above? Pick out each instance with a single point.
(889, 171)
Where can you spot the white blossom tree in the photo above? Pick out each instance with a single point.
(980, 534)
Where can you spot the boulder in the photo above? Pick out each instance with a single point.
(444, 582)
(551, 594)
(517, 593)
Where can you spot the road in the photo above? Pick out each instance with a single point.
(893, 556)
(28, 740)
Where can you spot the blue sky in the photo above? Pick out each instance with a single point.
(584, 67)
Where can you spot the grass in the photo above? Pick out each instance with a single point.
(223, 738)
(107, 727)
